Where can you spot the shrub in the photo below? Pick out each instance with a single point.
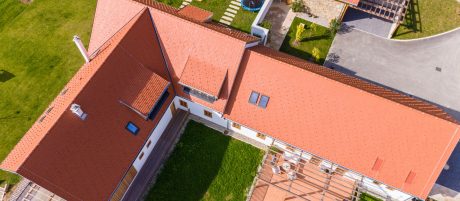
(298, 6)
(266, 24)
(334, 26)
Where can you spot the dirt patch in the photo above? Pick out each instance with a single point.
(26, 1)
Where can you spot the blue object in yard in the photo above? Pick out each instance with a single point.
(252, 5)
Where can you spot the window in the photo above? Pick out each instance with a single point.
(183, 103)
(261, 136)
(149, 143)
(131, 127)
(158, 105)
(254, 97)
(263, 101)
(187, 90)
(207, 113)
(235, 125)
(199, 94)
(141, 156)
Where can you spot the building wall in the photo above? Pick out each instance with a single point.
(154, 137)
(250, 133)
(198, 110)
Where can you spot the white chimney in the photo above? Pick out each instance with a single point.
(81, 47)
(76, 109)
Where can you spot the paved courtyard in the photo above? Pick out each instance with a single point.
(428, 69)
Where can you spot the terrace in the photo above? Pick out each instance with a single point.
(287, 173)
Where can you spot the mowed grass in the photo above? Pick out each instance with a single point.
(242, 20)
(207, 165)
(321, 39)
(429, 17)
(37, 58)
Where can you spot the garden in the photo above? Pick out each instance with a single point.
(207, 165)
(37, 58)
(429, 17)
(242, 20)
(308, 40)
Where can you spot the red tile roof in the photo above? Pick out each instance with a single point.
(143, 92)
(86, 159)
(353, 2)
(196, 13)
(334, 116)
(203, 76)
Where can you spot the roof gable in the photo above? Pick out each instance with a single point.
(341, 122)
(99, 146)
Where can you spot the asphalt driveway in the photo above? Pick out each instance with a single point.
(428, 69)
(367, 22)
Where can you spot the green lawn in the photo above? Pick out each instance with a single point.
(320, 39)
(37, 58)
(367, 197)
(242, 20)
(207, 165)
(429, 17)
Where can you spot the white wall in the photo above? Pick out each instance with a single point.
(255, 28)
(198, 110)
(250, 133)
(154, 137)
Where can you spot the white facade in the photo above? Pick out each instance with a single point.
(153, 139)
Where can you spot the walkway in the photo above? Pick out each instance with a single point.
(428, 68)
(281, 17)
(230, 13)
(160, 153)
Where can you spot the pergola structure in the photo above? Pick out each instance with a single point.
(299, 176)
(393, 10)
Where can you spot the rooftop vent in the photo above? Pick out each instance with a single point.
(410, 177)
(377, 164)
(76, 109)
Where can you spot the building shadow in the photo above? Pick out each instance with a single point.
(412, 20)
(5, 76)
(193, 165)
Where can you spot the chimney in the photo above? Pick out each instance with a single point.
(81, 47)
(76, 109)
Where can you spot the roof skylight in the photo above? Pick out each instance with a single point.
(263, 101)
(254, 97)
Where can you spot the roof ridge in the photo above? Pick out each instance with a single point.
(59, 105)
(209, 25)
(389, 94)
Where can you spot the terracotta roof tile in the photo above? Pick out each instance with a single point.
(344, 120)
(143, 91)
(212, 25)
(86, 159)
(203, 76)
(196, 13)
(358, 83)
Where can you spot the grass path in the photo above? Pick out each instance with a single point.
(37, 58)
(429, 17)
(207, 165)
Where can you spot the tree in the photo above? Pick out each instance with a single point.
(313, 28)
(334, 26)
(299, 33)
(298, 6)
(316, 54)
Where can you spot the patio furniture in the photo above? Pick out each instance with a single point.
(292, 175)
(286, 166)
(291, 157)
(276, 169)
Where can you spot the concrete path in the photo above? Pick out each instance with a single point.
(281, 17)
(147, 175)
(427, 68)
(230, 13)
